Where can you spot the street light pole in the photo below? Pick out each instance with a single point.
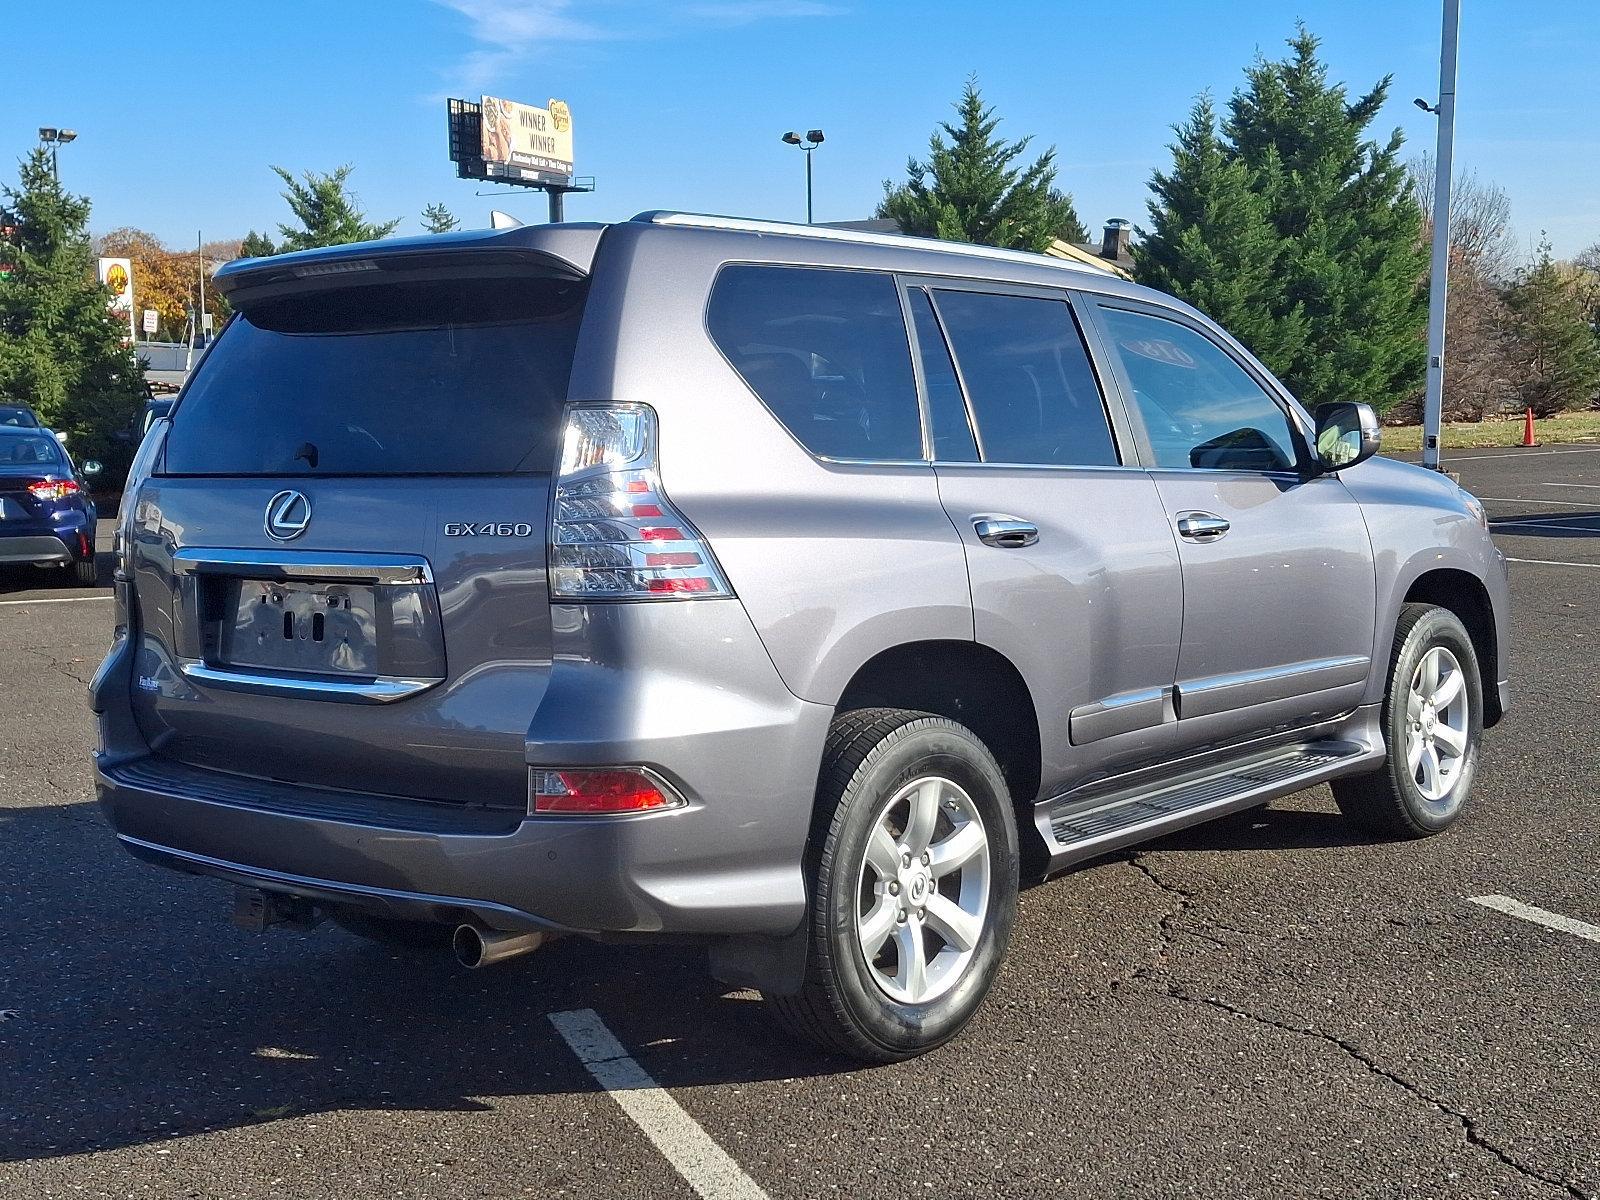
(1439, 275)
(55, 139)
(810, 142)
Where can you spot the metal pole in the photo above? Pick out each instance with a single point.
(809, 220)
(557, 205)
(1439, 275)
(200, 263)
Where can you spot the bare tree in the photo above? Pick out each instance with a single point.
(1587, 270)
(1480, 333)
(1480, 220)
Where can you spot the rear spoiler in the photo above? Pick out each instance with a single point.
(560, 252)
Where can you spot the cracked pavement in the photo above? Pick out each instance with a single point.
(1267, 1006)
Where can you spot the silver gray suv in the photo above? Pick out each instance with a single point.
(796, 591)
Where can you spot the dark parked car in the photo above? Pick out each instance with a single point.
(46, 516)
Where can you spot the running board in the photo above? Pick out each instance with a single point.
(1075, 828)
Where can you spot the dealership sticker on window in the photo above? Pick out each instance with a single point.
(1160, 350)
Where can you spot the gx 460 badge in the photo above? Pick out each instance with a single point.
(488, 529)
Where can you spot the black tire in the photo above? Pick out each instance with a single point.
(85, 573)
(394, 933)
(1389, 801)
(870, 755)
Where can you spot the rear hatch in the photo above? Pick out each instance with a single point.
(339, 561)
(33, 477)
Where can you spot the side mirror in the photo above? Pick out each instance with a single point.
(91, 467)
(1347, 434)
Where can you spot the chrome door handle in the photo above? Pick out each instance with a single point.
(1009, 533)
(1201, 526)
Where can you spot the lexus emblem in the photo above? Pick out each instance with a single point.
(288, 514)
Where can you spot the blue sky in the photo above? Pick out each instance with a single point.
(181, 106)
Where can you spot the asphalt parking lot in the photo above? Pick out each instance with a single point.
(1268, 1006)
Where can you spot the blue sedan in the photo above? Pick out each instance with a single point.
(46, 516)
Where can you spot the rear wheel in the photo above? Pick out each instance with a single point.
(1432, 720)
(913, 882)
(85, 573)
(396, 934)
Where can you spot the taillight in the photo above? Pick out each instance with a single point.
(613, 533)
(606, 790)
(53, 489)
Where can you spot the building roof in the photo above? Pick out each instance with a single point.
(1087, 254)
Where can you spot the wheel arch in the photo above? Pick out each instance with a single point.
(1464, 594)
(971, 684)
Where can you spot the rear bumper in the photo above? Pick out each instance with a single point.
(41, 548)
(723, 730)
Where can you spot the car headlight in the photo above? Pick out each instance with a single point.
(1475, 507)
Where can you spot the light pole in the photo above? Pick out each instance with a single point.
(55, 139)
(1439, 275)
(810, 142)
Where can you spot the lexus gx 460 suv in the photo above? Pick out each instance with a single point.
(794, 591)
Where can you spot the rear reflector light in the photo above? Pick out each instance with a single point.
(609, 790)
(614, 535)
(53, 489)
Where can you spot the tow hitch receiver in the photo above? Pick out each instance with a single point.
(256, 910)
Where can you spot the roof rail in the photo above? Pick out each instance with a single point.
(857, 236)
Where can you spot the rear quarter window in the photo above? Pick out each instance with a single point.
(446, 377)
(826, 351)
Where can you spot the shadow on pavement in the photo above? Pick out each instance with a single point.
(29, 579)
(1550, 525)
(132, 1011)
(1268, 829)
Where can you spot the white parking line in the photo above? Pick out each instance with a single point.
(1552, 562)
(704, 1165)
(1530, 454)
(58, 600)
(1542, 503)
(1539, 916)
(1582, 485)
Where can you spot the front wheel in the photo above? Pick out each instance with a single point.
(1432, 720)
(912, 886)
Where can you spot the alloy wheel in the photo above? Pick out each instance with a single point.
(923, 893)
(1437, 724)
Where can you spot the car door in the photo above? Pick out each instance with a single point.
(1074, 573)
(1278, 579)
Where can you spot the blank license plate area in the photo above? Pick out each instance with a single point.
(304, 627)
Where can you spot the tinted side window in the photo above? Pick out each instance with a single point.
(1200, 408)
(947, 411)
(827, 353)
(1028, 380)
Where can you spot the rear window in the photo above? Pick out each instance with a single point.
(40, 451)
(827, 352)
(448, 377)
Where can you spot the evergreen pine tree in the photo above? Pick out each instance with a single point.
(1560, 359)
(969, 190)
(256, 245)
(1210, 242)
(328, 214)
(62, 353)
(1344, 297)
(436, 218)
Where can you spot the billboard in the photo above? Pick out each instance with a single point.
(524, 141)
(117, 274)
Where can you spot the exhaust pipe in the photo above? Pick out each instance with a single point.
(476, 947)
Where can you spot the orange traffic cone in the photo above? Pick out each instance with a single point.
(1527, 429)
